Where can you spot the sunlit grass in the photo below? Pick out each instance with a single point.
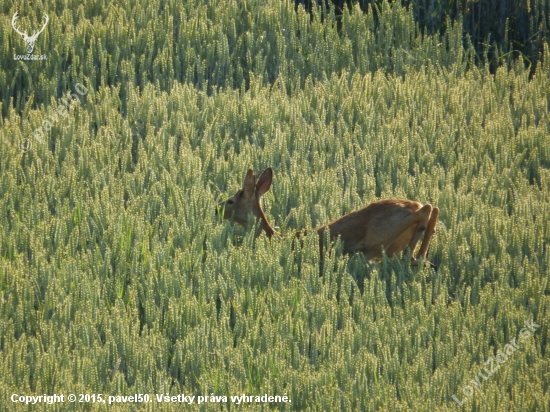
(116, 277)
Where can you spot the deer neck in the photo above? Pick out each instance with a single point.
(264, 224)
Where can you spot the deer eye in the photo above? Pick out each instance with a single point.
(230, 202)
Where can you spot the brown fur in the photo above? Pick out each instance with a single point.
(390, 225)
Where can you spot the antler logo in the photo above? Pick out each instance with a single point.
(30, 40)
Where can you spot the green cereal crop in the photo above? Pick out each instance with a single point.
(117, 278)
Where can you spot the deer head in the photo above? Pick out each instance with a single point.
(30, 40)
(247, 200)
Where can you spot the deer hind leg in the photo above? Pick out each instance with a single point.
(422, 220)
(413, 229)
(402, 241)
(404, 231)
(430, 230)
(392, 234)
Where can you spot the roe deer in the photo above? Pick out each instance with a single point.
(390, 225)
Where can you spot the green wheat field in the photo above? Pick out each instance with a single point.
(118, 278)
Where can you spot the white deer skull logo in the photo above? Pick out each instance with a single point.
(30, 40)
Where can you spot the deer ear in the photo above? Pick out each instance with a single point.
(264, 182)
(248, 185)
